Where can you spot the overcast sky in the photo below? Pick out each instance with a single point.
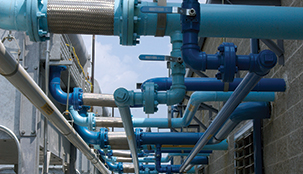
(119, 66)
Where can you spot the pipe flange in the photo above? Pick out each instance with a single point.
(103, 138)
(36, 20)
(127, 35)
(228, 69)
(138, 137)
(149, 103)
(91, 121)
(77, 99)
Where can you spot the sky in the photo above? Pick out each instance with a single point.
(119, 66)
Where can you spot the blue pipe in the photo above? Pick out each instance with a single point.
(236, 21)
(87, 120)
(177, 151)
(150, 98)
(220, 146)
(245, 111)
(90, 137)
(25, 15)
(192, 107)
(212, 84)
(174, 168)
(74, 98)
(226, 60)
(115, 167)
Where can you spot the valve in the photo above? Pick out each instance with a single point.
(160, 58)
(166, 9)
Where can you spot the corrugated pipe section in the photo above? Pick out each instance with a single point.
(81, 17)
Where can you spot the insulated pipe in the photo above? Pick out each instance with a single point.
(213, 84)
(124, 18)
(245, 111)
(108, 122)
(17, 76)
(80, 48)
(92, 99)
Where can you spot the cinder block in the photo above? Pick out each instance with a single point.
(281, 151)
(295, 143)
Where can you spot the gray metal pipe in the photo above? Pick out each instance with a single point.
(118, 140)
(128, 168)
(121, 153)
(18, 77)
(108, 122)
(122, 159)
(80, 49)
(93, 99)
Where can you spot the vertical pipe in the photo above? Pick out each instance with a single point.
(249, 81)
(45, 144)
(258, 161)
(93, 63)
(257, 146)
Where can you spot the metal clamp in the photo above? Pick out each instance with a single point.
(10, 38)
(161, 21)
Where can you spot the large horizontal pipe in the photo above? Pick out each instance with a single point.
(196, 99)
(109, 122)
(92, 99)
(220, 146)
(18, 77)
(213, 84)
(119, 18)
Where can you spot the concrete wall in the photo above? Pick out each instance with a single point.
(283, 132)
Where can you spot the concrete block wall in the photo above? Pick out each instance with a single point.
(283, 132)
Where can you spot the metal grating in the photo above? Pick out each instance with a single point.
(76, 74)
(244, 154)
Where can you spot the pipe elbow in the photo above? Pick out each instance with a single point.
(75, 98)
(265, 60)
(89, 137)
(175, 95)
(193, 57)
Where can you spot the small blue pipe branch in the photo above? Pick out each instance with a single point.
(83, 118)
(175, 168)
(226, 60)
(212, 84)
(264, 62)
(150, 97)
(195, 100)
(74, 98)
